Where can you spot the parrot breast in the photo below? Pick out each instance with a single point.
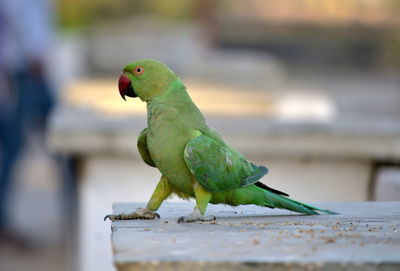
(166, 140)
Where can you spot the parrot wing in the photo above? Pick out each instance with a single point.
(218, 167)
(143, 150)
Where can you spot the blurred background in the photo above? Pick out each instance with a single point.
(309, 88)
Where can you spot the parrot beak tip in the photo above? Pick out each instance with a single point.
(123, 96)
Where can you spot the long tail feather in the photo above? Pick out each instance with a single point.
(279, 201)
(260, 196)
(313, 208)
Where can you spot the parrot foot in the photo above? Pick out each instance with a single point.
(141, 213)
(195, 216)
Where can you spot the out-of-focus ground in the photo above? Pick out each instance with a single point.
(307, 70)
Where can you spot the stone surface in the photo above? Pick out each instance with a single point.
(364, 235)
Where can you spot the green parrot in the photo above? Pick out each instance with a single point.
(193, 159)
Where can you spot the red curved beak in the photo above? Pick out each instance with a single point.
(125, 87)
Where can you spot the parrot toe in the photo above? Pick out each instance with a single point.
(191, 218)
(196, 215)
(134, 215)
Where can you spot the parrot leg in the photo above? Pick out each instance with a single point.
(202, 199)
(162, 191)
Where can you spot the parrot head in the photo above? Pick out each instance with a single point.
(145, 79)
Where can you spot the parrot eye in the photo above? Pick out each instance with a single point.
(138, 70)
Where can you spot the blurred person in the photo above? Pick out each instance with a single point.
(25, 95)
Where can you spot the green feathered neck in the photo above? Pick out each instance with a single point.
(177, 97)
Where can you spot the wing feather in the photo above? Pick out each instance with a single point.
(218, 167)
(143, 150)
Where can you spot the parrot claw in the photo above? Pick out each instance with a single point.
(141, 213)
(108, 217)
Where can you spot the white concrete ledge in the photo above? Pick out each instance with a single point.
(363, 236)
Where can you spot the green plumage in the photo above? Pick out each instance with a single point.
(143, 150)
(217, 167)
(193, 159)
